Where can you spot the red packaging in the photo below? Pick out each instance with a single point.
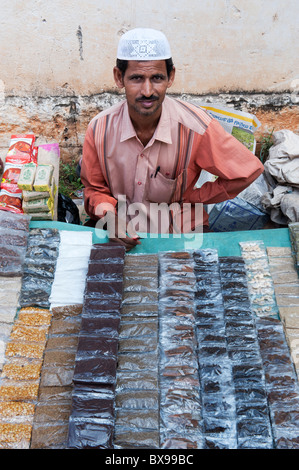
(11, 202)
(21, 147)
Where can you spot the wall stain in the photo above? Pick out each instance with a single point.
(80, 39)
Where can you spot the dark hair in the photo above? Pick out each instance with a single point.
(123, 64)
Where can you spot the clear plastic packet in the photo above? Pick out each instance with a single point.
(57, 376)
(64, 342)
(231, 262)
(253, 250)
(38, 268)
(52, 412)
(15, 435)
(242, 341)
(144, 327)
(9, 297)
(93, 306)
(239, 328)
(13, 237)
(212, 442)
(177, 334)
(137, 419)
(280, 380)
(250, 393)
(177, 269)
(252, 410)
(145, 272)
(141, 310)
(237, 314)
(141, 261)
(287, 442)
(218, 406)
(8, 313)
(14, 221)
(101, 325)
(19, 369)
(105, 290)
(95, 370)
(175, 255)
(244, 354)
(186, 381)
(93, 346)
(220, 428)
(140, 285)
(182, 313)
(141, 380)
(138, 362)
(17, 411)
(105, 254)
(254, 427)
(174, 440)
(104, 272)
(173, 400)
(131, 345)
(206, 256)
(177, 354)
(65, 326)
(92, 402)
(255, 442)
(139, 400)
(143, 439)
(89, 433)
(131, 298)
(28, 349)
(11, 261)
(41, 252)
(49, 436)
(212, 354)
(181, 421)
(176, 296)
(24, 390)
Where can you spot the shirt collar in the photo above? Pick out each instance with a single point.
(162, 132)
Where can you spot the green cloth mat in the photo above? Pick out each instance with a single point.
(227, 243)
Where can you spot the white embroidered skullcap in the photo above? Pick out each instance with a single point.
(143, 44)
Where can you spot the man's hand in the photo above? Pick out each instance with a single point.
(117, 231)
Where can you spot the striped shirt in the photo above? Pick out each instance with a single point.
(186, 141)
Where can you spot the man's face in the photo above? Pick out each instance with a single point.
(145, 85)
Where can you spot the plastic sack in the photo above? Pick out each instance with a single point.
(67, 210)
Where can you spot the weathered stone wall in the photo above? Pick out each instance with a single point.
(65, 119)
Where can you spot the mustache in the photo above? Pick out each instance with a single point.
(146, 98)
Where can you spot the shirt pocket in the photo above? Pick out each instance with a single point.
(161, 189)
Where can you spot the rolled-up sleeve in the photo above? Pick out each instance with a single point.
(221, 154)
(97, 195)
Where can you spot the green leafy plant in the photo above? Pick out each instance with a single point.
(266, 143)
(69, 182)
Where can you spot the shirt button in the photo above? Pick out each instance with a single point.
(141, 155)
(139, 182)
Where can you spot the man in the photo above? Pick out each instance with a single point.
(149, 150)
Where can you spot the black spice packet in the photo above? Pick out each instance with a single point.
(89, 434)
(95, 370)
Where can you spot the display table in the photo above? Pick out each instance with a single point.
(227, 243)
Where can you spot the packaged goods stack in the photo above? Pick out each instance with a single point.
(30, 178)
(180, 401)
(91, 422)
(217, 390)
(38, 190)
(136, 393)
(14, 230)
(21, 152)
